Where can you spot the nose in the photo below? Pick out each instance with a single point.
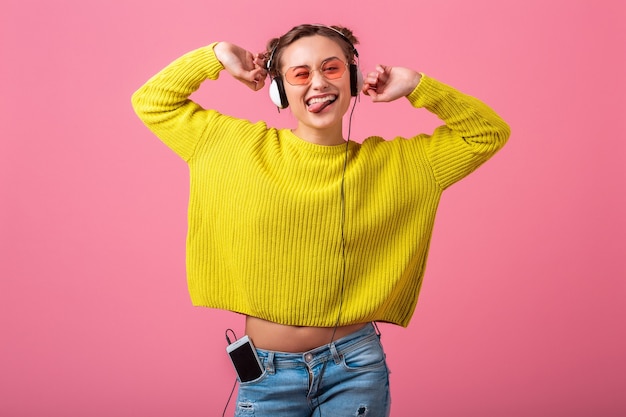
(318, 81)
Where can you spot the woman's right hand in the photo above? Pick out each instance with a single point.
(242, 64)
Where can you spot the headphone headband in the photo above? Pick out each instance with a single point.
(268, 65)
(348, 41)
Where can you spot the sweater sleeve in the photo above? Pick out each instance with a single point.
(472, 133)
(163, 103)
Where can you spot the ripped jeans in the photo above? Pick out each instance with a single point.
(348, 377)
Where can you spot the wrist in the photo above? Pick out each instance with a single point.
(218, 51)
(416, 78)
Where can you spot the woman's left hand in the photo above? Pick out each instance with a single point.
(390, 83)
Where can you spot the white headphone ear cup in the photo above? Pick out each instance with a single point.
(359, 79)
(278, 93)
(356, 80)
(275, 94)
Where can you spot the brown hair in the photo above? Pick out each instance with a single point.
(275, 47)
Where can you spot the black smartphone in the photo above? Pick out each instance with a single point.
(245, 360)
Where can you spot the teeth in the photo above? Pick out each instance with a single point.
(321, 99)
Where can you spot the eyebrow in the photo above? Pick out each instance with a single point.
(308, 66)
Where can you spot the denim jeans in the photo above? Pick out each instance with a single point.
(347, 377)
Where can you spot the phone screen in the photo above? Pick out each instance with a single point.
(245, 361)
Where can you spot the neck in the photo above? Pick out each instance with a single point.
(327, 137)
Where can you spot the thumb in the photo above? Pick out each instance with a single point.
(384, 72)
(373, 95)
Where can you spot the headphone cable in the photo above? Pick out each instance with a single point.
(343, 246)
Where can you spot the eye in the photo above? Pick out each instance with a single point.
(332, 67)
(301, 74)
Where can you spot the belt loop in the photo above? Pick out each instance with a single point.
(336, 355)
(269, 363)
(377, 329)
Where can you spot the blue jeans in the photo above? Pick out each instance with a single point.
(348, 377)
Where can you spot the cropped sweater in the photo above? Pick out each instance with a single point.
(265, 217)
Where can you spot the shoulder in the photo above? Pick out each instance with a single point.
(398, 151)
(232, 134)
(378, 144)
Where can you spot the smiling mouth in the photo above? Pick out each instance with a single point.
(317, 104)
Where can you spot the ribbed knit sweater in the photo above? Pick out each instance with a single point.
(265, 208)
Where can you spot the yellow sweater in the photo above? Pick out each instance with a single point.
(265, 216)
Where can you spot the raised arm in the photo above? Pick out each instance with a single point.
(163, 103)
(472, 132)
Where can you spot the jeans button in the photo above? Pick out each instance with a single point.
(308, 357)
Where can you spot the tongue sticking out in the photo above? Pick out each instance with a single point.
(317, 107)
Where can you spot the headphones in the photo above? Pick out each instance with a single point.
(277, 86)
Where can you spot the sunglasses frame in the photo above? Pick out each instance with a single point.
(345, 66)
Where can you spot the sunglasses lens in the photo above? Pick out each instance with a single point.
(298, 75)
(331, 70)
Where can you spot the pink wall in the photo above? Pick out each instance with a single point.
(523, 307)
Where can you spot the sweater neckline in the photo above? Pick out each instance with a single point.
(294, 140)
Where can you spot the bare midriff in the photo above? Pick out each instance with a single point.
(294, 339)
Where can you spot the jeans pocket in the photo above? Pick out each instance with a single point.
(255, 381)
(364, 357)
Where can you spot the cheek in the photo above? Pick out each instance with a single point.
(346, 94)
(345, 86)
(294, 95)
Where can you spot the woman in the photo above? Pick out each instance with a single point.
(311, 236)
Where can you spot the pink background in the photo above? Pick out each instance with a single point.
(524, 303)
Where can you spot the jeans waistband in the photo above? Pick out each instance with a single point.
(273, 359)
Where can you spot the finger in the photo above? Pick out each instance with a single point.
(372, 76)
(255, 86)
(259, 60)
(371, 91)
(384, 72)
(373, 95)
(258, 74)
(256, 79)
(370, 82)
(259, 84)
